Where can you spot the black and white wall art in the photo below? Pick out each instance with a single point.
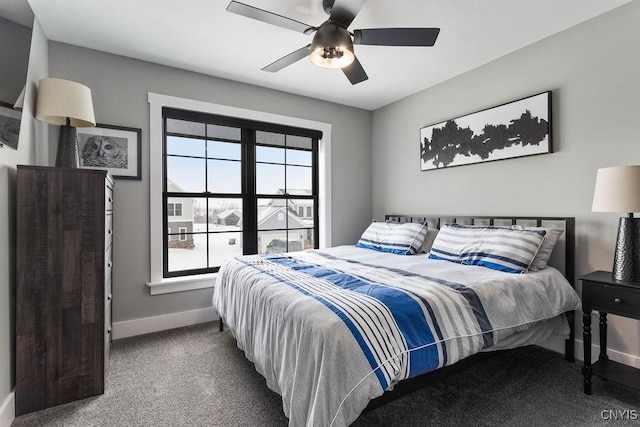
(516, 129)
(9, 126)
(112, 148)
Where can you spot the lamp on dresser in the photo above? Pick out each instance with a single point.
(69, 105)
(618, 190)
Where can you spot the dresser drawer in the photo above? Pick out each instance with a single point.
(108, 267)
(107, 318)
(108, 230)
(107, 331)
(108, 199)
(615, 300)
(108, 288)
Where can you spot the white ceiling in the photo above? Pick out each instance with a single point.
(16, 11)
(199, 35)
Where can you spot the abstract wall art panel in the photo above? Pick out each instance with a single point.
(516, 129)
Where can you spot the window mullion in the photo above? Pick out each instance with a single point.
(287, 200)
(315, 191)
(249, 199)
(206, 190)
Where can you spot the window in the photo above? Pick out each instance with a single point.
(235, 180)
(159, 284)
(301, 211)
(174, 209)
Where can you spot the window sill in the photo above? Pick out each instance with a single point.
(179, 284)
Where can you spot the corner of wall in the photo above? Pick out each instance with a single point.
(32, 149)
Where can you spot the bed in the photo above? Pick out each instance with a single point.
(340, 330)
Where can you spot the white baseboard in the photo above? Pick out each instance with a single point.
(615, 355)
(8, 410)
(146, 325)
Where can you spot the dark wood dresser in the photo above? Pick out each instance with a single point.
(63, 290)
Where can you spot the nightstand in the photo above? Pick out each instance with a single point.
(601, 292)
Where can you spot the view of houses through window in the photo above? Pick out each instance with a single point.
(234, 187)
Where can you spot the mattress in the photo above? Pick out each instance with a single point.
(332, 329)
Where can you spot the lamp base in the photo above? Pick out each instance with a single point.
(67, 156)
(626, 262)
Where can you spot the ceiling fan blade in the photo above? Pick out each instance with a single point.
(268, 17)
(287, 60)
(355, 73)
(343, 12)
(396, 36)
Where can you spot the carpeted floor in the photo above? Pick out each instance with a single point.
(196, 376)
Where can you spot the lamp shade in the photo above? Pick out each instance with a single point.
(60, 99)
(617, 190)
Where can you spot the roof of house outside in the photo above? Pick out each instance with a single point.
(295, 192)
(228, 212)
(266, 212)
(176, 188)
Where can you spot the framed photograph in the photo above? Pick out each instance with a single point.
(113, 148)
(9, 126)
(515, 129)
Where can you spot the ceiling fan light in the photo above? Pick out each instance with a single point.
(331, 57)
(331, 47)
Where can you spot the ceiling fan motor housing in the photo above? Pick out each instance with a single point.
(327, 5)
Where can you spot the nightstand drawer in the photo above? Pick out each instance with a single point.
(615, 300)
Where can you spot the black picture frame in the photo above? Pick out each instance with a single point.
(515, 129)
(117, 149)
(9, 126)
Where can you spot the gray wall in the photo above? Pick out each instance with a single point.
(25, 154)
(119, 87)
(594, 72)
(15, 58)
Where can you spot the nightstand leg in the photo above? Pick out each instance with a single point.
(586, 338)
(603, 336)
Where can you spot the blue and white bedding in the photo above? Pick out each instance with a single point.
(332, 329)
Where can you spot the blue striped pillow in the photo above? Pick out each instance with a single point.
(497, 248)
(397, 238)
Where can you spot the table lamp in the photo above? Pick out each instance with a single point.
(66, 104)
(618, 190)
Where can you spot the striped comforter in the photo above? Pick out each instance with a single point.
(331, 329)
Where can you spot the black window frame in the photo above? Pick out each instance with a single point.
(248, 196)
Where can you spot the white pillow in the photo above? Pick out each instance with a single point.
(499, 248)
(551, 237)
(394, 237)
(544, 253)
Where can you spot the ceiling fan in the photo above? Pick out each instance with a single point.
(332, 45)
